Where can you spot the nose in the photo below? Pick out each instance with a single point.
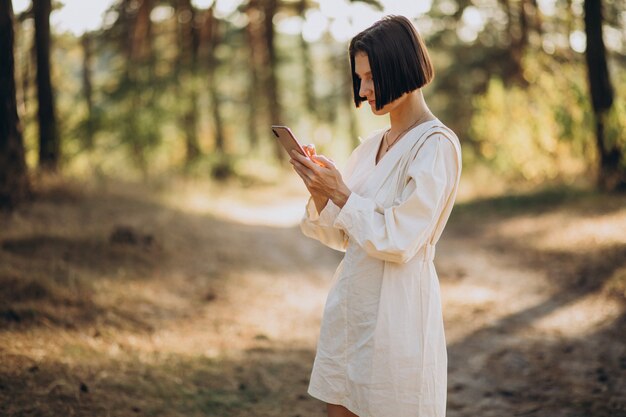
(365, 89)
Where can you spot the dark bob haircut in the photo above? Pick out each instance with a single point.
(397, 56)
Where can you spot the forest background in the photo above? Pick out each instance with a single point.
(158, 86)
(150, 257)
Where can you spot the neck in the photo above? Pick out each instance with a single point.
(409, 110)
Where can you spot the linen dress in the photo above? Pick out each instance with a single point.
(381, 350)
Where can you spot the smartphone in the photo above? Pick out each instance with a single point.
(286, 138)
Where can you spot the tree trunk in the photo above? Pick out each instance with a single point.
(256, 48)
(14, 185)
(253, 106)
(140, 73)
(307, 66)
(21, 69)
(186, 71)
(49, 145)
(218, 125)
(517, 32)
(612, 174)
(140, 61)
(271, 80)
(537, 21)
(210, 38)
(141, 47)
(190, 120)
(87, 89)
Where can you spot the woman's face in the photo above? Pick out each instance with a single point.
(364, 72)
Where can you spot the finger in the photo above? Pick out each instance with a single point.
(298, 155)
(302, 170)
(297, 164)
(303, 176)
(304, 160)
(326, 162)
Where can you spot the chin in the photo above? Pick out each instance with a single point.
(378, 112)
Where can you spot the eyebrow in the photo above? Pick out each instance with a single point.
(367, 73)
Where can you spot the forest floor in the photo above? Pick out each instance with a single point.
(193, 299)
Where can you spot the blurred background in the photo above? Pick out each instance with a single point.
(150, 87)
(150, 258)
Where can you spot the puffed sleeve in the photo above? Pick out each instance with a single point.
(320, 226)
(397, 233)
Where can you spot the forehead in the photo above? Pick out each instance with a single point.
(361, 63)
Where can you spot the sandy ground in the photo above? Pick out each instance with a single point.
(200, 300)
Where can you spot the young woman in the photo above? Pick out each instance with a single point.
(382, 350)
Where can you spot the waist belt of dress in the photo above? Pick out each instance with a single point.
(427, 253)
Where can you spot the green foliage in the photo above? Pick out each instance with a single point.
(543, 132)
(530, 122)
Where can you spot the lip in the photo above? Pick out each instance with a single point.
(371, 101)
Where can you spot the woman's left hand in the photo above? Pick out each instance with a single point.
(321, 177)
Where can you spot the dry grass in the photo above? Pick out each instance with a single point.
(194, 299)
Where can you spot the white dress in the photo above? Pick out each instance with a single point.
(382, 350)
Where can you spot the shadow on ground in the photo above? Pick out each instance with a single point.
(515, 372)
(258, 382)
(60, 255)
(50, 277)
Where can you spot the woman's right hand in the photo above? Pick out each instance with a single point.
(309, 150)
(319, 200)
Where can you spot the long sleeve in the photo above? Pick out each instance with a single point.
(320, 226)
(398, 232)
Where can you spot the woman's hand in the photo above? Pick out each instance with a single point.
(321, 177)
(320, 201)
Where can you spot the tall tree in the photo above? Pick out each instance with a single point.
(260, 34)
(49, 145)
(256, 50)
(186, 71)
(14, 184)
(140, 134)
(24, 60)
(307, 64)
(523, 17)
(271, 83)
(141, 30)
(209, 40)
(612, 174)
(86, 43)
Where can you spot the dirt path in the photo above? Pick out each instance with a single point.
(206, 301)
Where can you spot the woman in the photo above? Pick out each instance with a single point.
(382, 351)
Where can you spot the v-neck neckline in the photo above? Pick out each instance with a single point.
(382, 136)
